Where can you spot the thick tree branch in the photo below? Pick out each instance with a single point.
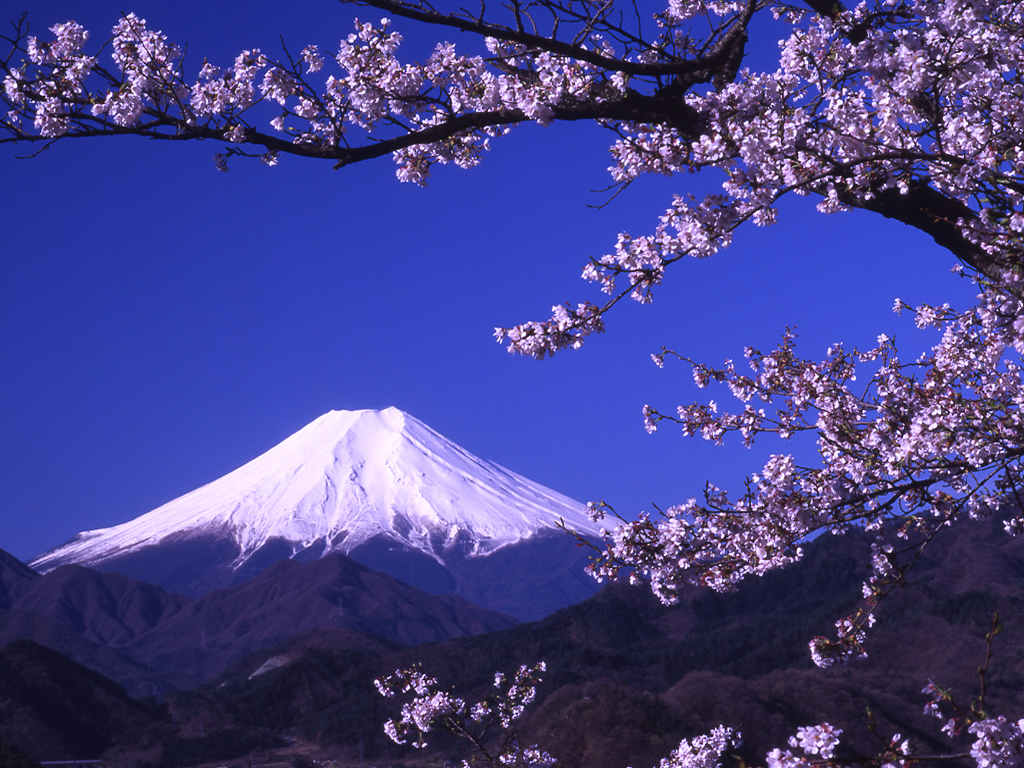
(938, 215)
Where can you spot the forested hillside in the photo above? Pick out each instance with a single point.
(628, 677)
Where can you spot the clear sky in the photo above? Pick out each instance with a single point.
(162, 323)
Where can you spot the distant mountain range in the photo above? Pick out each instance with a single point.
(147, 638)
(378, 486)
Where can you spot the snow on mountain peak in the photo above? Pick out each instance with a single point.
(343, 479)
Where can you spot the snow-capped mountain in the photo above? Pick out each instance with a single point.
(380, 486)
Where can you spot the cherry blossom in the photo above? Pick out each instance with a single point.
(704, 751)
(818, 741)
(432, 709)
(998, 743)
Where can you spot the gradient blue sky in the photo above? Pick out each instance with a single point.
(162, 323)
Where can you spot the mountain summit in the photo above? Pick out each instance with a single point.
(379, 486)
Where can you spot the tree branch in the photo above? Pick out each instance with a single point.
(710, 62)
(938, 215)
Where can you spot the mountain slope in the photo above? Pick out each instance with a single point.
(52, 708)
(105, 608)
(380, 486)
(16, 578)
(18, 625)
(202, 639)
(148, 639)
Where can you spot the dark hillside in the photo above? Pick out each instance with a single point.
(15, 579)
(334, 592)
(12, 757)
(50, 632)
(53, 708)
(105, 608)
(628, 677)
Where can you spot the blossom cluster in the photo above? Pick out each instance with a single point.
(997, 743)
(428, 707)
(541, 339)
(704, 751)
(431, 709)
(47, 103)
(149, 64)
(817, 741)
(931, 441)
(849, 645)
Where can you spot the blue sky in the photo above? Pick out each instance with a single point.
(162, 323)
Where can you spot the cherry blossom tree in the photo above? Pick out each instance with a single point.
(911, 109)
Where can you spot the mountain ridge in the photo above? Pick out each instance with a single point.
(145, 637)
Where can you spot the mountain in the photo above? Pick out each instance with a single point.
(378, 486)
(335, 592)
(24, 625)
(15, 579)
(148, 639)
(105, 608)
(85, 615)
